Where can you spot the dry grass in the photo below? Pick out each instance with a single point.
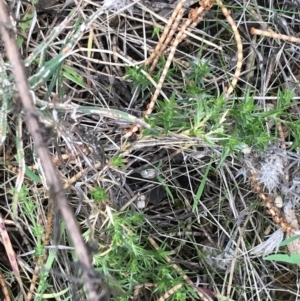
(197, 199)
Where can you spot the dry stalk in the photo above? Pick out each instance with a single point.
(274, 35)
(170, 292)
(177, 268)
(138, 287)
(168, 39)
(42, 259)
(273, 210)
(56, 191)
(239, 45)
(165, 34)
(196, 21)
(4, 288)
(34, 279)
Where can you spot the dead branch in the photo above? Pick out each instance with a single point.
(56, 191)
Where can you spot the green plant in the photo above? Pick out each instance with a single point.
(171, 119)
(139, 79)
(117, 161)
(29, 212)
(156, 31)
(196, 74)
(288, 258)
(99, 194)
(131, 261)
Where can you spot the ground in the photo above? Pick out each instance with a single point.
(173, 130)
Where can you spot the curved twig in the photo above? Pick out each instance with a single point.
(239, 45)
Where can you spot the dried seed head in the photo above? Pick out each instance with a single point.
(271, 172)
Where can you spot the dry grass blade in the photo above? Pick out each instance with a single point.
(42, 259)
(11, 254)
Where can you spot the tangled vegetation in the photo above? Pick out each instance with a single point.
(174, 131)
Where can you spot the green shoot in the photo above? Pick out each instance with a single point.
(156, 31)
(99, 194)
(117, 161)
(131, 260)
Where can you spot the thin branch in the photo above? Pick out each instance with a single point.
(56, 191)
(274, 35)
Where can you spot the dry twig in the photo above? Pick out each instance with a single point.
(239, 45)
(274, 35)
(273, 210)
(56, 191)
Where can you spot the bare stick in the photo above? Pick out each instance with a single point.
(56, 191)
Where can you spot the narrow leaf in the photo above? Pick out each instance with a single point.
(32, 176)
(201, 187)
(288, 258)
